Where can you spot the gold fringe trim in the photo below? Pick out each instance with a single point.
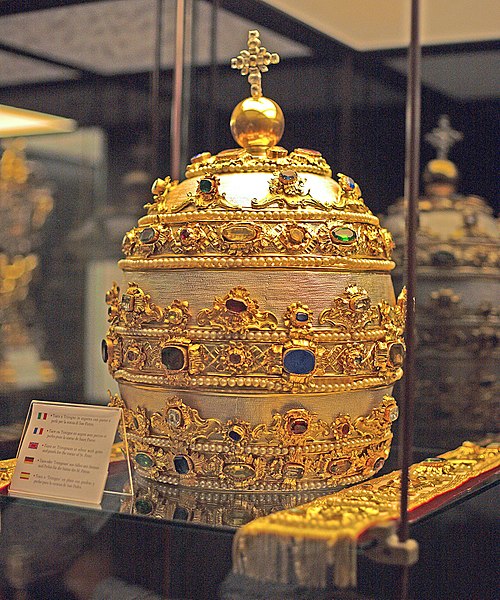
(302, 545)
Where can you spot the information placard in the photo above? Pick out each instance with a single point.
(64, 452)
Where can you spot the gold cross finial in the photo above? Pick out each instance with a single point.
(254, 61)
(443, 137)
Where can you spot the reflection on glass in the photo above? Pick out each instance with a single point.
(206, 507)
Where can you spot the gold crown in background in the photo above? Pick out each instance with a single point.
(258, 337)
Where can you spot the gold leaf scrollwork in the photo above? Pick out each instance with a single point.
(236, 311)
(161, 190)
(392, 318)
(286, 188)
(349, 195)
(207, 195)
(298, 319)
(351, 311)
(176, 315)
(146, 241)
(136, 308)
(235, 359)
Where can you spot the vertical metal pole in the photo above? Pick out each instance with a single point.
(176, 112)
(411, 193)
(346, 112)
(189, 49)
(155, 94)
(213, 77)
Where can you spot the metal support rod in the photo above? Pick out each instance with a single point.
(411, 194)
(213, 83)
(177, 96)
(155, 93)
(346, 112)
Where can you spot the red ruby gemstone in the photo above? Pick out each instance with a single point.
(235, 306)
(298, 426)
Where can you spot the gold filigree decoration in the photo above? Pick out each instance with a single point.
(190, 238)
(351, 311)
(6, 471)
(349, 195)
(136, 308)
(240, 238)
(286, 188)
(298, 320)
(161, 190)
(236, 311)
(295, 447)
(239, 160)
(236, 358)
(147, 241)
(294, 237)
(176, 315)
(207, 195)
(393, 317)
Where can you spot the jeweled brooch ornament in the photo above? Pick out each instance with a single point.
(257, 338)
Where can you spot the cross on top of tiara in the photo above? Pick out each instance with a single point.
(254, 61)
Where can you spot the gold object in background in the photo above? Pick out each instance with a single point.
(257, 338)
(458, 324)
(24, 207)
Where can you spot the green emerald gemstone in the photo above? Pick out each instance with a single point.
(344, 234)
(144, 460)
(143, 506)
(206, 186)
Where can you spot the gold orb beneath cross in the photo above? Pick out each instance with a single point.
(257, 124)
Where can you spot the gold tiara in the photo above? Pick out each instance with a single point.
(259, 285)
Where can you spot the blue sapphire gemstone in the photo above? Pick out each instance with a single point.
(173, 358)
(104, 350)
(350, 183)
(234, 435)
(181, 464)
(302, 317)
(181, 514)
(299, 362)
